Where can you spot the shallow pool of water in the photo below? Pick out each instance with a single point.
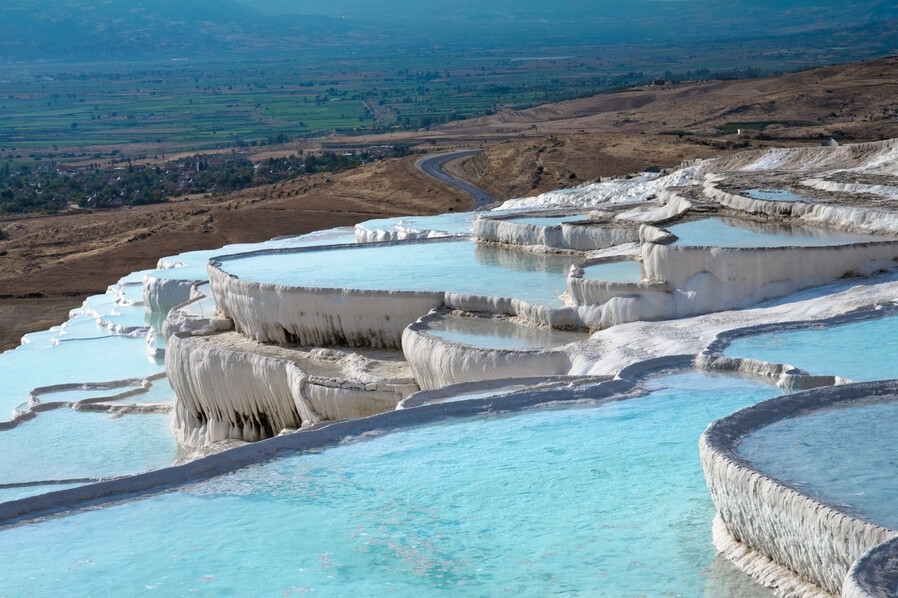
(450, 265)
(860, 351)
(729, 232)
(629, 271)
(192, 264)
(82, 327)
(494, 333)
(452, 223)
(159, 392)
(63, 444)
(776, 195)
(600, 501)
(42, 363)
(845, 457)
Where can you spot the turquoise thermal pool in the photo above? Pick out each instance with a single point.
(844, 456)
(775, 195)
(42, 363)
(532, 503)
(628, 271)
(728, 232)
(495, 333)
(547, 220)
(860, 351)
(451, 265)
(64, 444)
(191, 265)
(452, 223)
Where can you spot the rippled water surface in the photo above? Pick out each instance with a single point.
(844, 456)
(608, 501)
(860, 351)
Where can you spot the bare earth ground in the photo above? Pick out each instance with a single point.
(533, 166)
(851, 102)
(49, 264)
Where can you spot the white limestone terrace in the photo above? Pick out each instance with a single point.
(233, 388)
(269, 309)
(415, 227)
(705, 336)
(233, 384)
(766, 523)
(447, 348)
(366, 295)
(171, 283)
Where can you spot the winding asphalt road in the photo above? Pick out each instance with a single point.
(432, 166)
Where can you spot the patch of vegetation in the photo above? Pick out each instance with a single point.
(56, 187)
(677, 132)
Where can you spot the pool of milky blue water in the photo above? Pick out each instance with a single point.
(64, 444)
(43, 363)
(845, 457)
(193, 263)
(776, 195)
(452, 223)
(494, 333)
(547, 220)
(608, 500)
(728, 232)
(450, 265)
(860, 351)
(624, 271)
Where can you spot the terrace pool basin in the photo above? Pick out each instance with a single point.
(42, 363)
(64, 444)
(776, 195)
(191, 265)
(730, 232)
(628, 271)
(608, 500)
(451, 223)
(450, 265)
(844, 456)
(496, 333)
(860, 351)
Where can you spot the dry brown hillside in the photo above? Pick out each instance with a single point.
(853, 101)
(531, 166)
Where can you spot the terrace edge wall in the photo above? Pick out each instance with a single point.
(810, 538)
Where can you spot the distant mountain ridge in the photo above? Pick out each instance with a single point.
(133, 30)
(117, 30)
